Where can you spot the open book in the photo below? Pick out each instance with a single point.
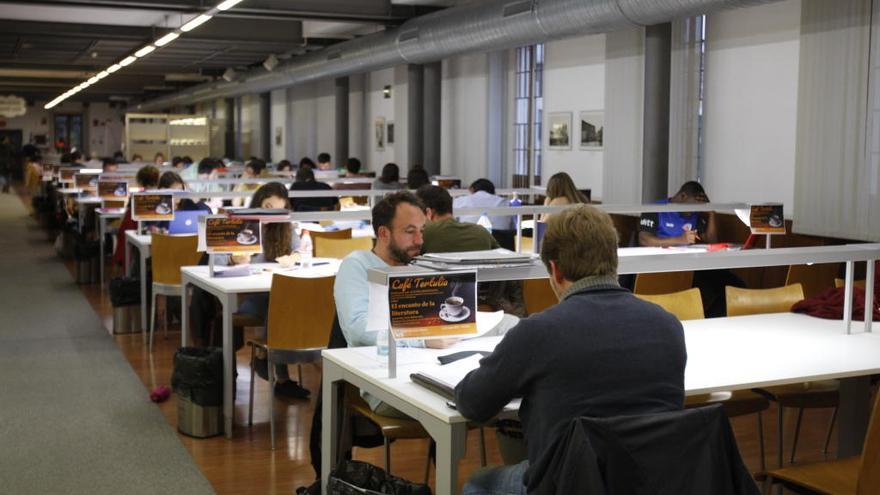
(494, 256)
(442, 379)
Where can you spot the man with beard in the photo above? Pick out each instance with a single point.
(398, 221)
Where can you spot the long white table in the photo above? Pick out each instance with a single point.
(142, 242)
(731, 353)
(227, 290)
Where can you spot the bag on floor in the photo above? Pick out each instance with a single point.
(360, 478)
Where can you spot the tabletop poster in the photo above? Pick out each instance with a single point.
(767, 219)
(66, 174)
(112, 190)
(433, 305)
(86, 181)
(152, 207)
(233, 236)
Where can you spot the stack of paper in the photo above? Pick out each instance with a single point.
(498, 256)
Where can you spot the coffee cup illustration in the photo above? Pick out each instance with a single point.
(453, 307)
(246, 236)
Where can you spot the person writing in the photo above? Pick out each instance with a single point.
(673, 228)
(600, 352)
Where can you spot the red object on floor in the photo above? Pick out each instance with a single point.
(160, 394)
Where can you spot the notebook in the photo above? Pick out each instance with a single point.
(442, 379)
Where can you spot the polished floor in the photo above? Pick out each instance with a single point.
(246, 464)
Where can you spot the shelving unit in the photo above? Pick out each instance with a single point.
(170, 134)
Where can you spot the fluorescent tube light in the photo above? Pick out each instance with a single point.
(143, 52)
(92, 80)
(113, 68)
(102, 74)
(168, 38)
(198, 21)
(127, 61)
(228, 4)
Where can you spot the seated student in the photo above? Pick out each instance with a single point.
(159, 159)
(600, 352)
(305, 181)
(445, 234)
(279, 239)
(109, 166)
(172, 180)
(389, 179)
(306, 162)
(684, 228)
(398, 221)
(253, 169)
(177, 162)
(561, 191)
(353, 167)
(283, 166)
(147, 178)
(482, 195)
(416, 178)
(324, 161)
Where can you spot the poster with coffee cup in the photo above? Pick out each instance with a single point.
(86, 182)
(433, 304)
(111, 190)
(232, 236)
(767, 218)
(152, 207)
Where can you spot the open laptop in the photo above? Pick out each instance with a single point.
(186, 222)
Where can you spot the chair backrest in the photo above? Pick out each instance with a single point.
(340, 248)
(839, 282)
(814, 278)
(869, 472)
(663, 283)
(330, 234)
(760, 301)
(301, 312)
(538, 295)
(169, 253)
(685, 305)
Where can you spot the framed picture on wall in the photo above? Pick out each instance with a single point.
(380, 133)
(559, 131)
(389, 137)
(592, 129)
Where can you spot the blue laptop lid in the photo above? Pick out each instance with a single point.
(186, 222)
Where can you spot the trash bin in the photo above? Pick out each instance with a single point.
(362, 478)
(198, 382)
(125, 295)
(85, 253)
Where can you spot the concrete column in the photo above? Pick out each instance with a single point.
(341, 152)
(415, 154)
(265, 151)
(230, 128)
(433, 75)
(655, 159)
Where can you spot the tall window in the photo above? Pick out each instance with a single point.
(528, 115)
(687, 96)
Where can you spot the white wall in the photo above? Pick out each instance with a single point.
(103, 127)
(751, 103)
(376, 106)
(574, 81)
(463, 124)
(301, 132)
(325, 119)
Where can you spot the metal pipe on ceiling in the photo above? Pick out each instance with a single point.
(471, 28)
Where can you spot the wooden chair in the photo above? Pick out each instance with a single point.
(688, 305)
(298, 328)
(839, 282)
(852, 476)
(330, 234)
(813, 395)
(814, 278)
(663, 283)
(170, 253)
(340, 248)
(538, 295)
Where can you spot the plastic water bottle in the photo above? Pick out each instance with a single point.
(382, 342)
(305, 249)
(515, 202)
(485, 222)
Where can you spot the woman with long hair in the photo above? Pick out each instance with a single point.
(389, 179)
(562, 191)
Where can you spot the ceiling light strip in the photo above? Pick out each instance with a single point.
(146, 50)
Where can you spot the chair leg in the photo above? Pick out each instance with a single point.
(271, 398)
(153, 319)
(797, 432)
(761, 441)
(251, 400)
(482, 447)
(432, 453)
(830, 429)
(387, 455)
(780, 424)
(299, 369)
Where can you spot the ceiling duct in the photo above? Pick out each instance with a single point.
(473, 27)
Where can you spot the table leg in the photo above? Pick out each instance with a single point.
(331, 396)
(102, 226)
(228, 363)
(853, 415)
(451, 440)
(144, 304)
(184, 312)
(127, 257)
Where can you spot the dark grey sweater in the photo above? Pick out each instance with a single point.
(600, 352)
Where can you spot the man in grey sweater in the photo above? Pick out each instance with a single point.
(600, 352)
